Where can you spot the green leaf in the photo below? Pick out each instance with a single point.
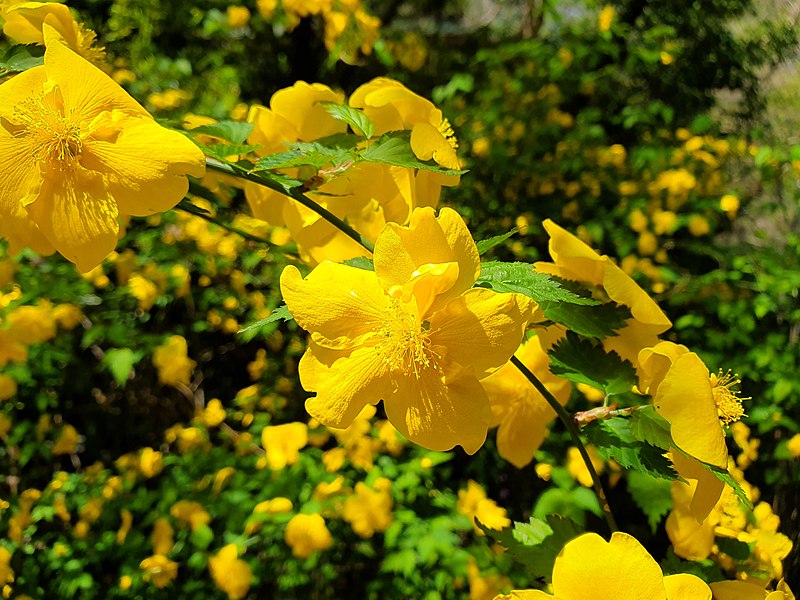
(360, 262)
(614, 440)
(235, 132)
(301, 154)
(590, 321)
(521, 278)
(650, 427)
(653, 496)
(725, 477)
(22, 57)
(485, 245)
(395, 149)
(537, 558)
(352, 116)
(201, 536)
(734, 548)
(282, 312)
(583, 361)
(223, 151)
(120, 362)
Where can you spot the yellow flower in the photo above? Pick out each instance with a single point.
(306, 534)
(191, 513)
(730, 204)
(231, 574)
(473, 503)
(283, 443)
(67, 442)
(8, 387)
(275, 506)
(144, 290)
(590, 567)
(697, 404)
(76, 152)
(214, 413)
(411, 333)
(606, 18)
(127, 520)
(162, 537)
(40, 22)
(793, 445)
(577, 467)
(749, 590)
(521, 412)
(238, 17)
(159, 570)
(151, 462)
(368, 510)
(68, 316)
(32, 324)
(172, 363)
(6, 572)
(576, 261)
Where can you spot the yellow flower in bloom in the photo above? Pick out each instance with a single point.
(521, 412)
(473, 503)
(411, 333)
(32, 324)
(159, 570)
(231, 574)
(391, 106)
(67, 442)
(144, 290)
(794, 445)
(749, 590)
(730, 204)
(172, 363)
(68, 316)
(589, 567)
(306, 534)
(162, 537)
(369, 510)
(76, 152)
(40, 22)
(6, 572)
(151, 462)
(697, 404)
(238, 16)
(191, 513)
(770, 546)
(8, 387)
(266, 8)
(275, 506)
(606, 18)
(576, 261)
(577, 467)
(214, 413)
(283, 443)
(127, 520)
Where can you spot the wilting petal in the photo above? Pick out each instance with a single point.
(400, 251)
(347, 386)
(439, 411)
(335, 301)
(78, 216)
(590, 567)
(481, 329)
(686, 587)
(684, 398)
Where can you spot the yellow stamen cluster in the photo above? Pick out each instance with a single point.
(729, 404)
(56, 138)
(404, 342)
(447, 131)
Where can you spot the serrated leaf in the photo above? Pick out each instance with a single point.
(533, 532)
(725, 477)
(651, 495)
(521, 278)
(223, 151)
(538, 559)
(360, 262)
(235, 132)
(120, 362)
(304, 154)
(650, 427)
(352, 116)
(282, 312)
(582, 361)
(613, 440)
(589, 321)
(485, 245)
(395, 149)
(22, 57)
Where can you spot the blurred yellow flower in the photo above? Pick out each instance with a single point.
(474, 504)
(283, 443)
(76, 152)
(144, 290)
(67, 442)
(162, 537)
(172, 363)
(411, 333)
(238, 16)
(306, 534)
(159, 570)
(190, 513)
(126, 518)
(730, 204)
(151, 462)
(368, 510)
(6, 572)
(606, 18)
(214, 413)
(8, 387)
(274, 506)
(231, 574)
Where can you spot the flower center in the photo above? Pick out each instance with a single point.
(447, 131)
(729, 404)
(404, 342)
(54, 137)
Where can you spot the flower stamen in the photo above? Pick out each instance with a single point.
(729, 403)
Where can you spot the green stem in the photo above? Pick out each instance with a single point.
(190, 208)
(294, 194)
(574, 433)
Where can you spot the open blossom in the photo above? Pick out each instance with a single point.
(590, 567)
(411, 333)
(77, 153)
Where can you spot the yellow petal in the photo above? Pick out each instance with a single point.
(691, 540)
(708, 490)
(266, 204)
(145, 164)
(399, 251)
(624, 290)
(427, 143)
(590, 567)
(481, 329)
(584, 264)
(686, 587)
(439, 411)
(684, 399)
(334, 300)
(21, 232)
(428, 282)
(24, 21)
(737, 590)
(655, 363)
(78, 216)
(86, 88)
(525, 595)
(347, 386)
(300, 105)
